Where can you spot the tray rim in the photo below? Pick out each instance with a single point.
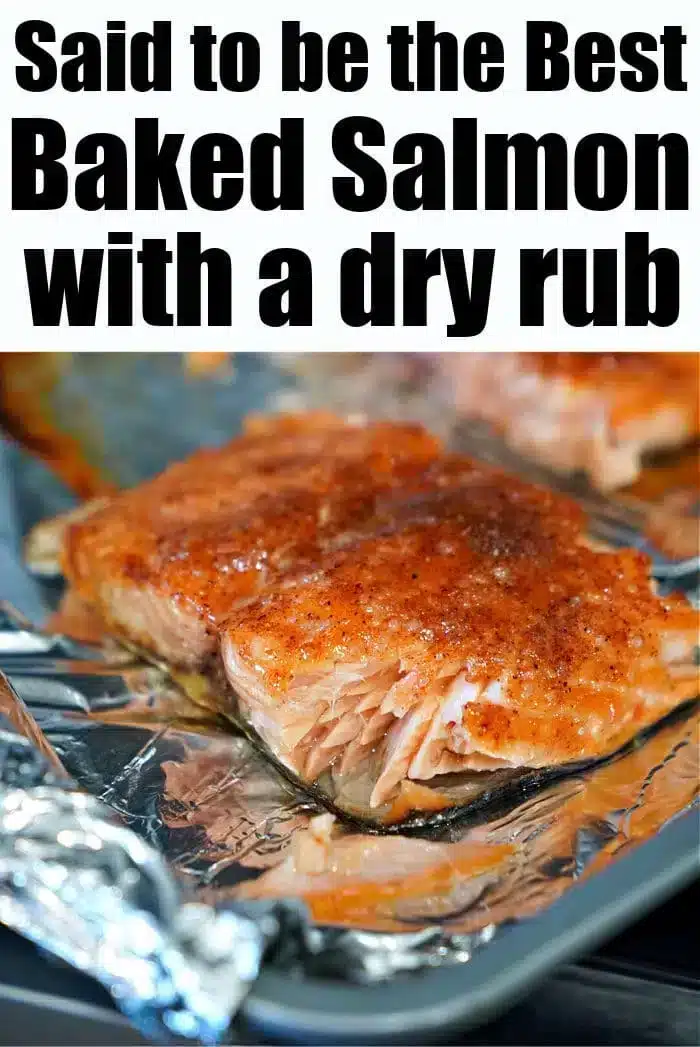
(434, 1002)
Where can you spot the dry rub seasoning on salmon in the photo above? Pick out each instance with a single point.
(385, 612)
(474, 630)
(592, 412)
(162, 563)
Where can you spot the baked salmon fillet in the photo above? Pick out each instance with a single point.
(163, 564)
(471, 628)
(598, 413)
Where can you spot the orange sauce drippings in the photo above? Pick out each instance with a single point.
(352, 904)
(683, 473)
(415, 797)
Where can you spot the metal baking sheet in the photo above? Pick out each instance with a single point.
(436, 1003)
(587, 1003)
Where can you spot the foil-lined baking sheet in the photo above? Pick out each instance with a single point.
(236, 829)
(170, 799)
(228, 828)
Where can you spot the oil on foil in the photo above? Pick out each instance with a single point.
(238, 830)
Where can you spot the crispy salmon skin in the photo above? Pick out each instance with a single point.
(473, 629)
(597, 413)
(163, 563)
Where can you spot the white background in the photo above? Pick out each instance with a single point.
(324, 230)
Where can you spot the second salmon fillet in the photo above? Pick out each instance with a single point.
(599, 413)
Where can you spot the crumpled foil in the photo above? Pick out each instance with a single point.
(235, 829)
(164, 872)
(80, 884)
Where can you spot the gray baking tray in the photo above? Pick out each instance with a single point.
(62, 1008)
(433, 1004)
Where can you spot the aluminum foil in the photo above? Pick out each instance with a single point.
(140, 878)
(77, 882)
(235, 829)
(189, 840)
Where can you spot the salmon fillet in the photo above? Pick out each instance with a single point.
(163, 563)
(592, 412)
(471, 627)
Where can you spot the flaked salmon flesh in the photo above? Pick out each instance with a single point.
(385, 612)
(475, 629)
(597, 413)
